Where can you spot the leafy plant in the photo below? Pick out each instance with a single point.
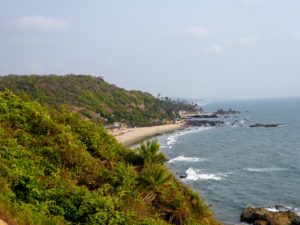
(57, 168)
(150, 153)
(152, 179)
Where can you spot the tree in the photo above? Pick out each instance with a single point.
(152, 179)
(150, 152)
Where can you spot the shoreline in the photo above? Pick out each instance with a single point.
(132, 136)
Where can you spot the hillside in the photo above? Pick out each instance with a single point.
(96, 99)
(56, 168)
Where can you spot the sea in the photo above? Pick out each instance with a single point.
(235, 166)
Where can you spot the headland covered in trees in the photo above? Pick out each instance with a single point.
(59, 165)
(95, 99)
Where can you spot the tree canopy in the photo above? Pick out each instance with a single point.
(56, 168)
(95, 99)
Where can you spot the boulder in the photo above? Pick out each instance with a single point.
(182, 175)
(262, 216)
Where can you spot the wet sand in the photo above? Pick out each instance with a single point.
(132, 136)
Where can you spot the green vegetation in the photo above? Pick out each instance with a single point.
(95, 99)
(56, 168)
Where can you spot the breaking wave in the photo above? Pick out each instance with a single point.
(283, 208)
(186, 159)
(195, 174)
(266, 169)
(172, 139)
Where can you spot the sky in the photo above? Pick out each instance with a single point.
(194, 48)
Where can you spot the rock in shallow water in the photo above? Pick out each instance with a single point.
(182, 176)
(262, 216)
(269, 125)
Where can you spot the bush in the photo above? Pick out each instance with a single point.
(56, 168)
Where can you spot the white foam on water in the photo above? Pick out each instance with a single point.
(283, 209)
(237, 123)
(171, 140)
(195, 174)
(272, 209)
(266, 169)
(242, 121)
(163, 146)
(186, 159)
(204, 102)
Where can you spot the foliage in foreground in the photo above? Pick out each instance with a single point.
(58, 169)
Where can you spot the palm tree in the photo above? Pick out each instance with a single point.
(150, 152)
(152, 179)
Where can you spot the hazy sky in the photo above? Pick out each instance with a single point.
(191, 48)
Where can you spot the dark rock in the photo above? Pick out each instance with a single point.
(204, 116)
(261, 216)
(182, 176)
(204, 123)
(295, 221)
(269, 125)
(228, 112)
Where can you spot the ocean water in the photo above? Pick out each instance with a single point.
(235, 166)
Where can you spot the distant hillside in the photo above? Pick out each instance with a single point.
(56, 168)
(94, 98)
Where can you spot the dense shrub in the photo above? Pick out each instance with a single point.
(56, 168)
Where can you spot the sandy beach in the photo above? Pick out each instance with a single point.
(131, 136)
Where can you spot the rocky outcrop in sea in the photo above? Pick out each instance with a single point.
(268, 125)
(223, 112)
(204, 123)
(263, 216)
